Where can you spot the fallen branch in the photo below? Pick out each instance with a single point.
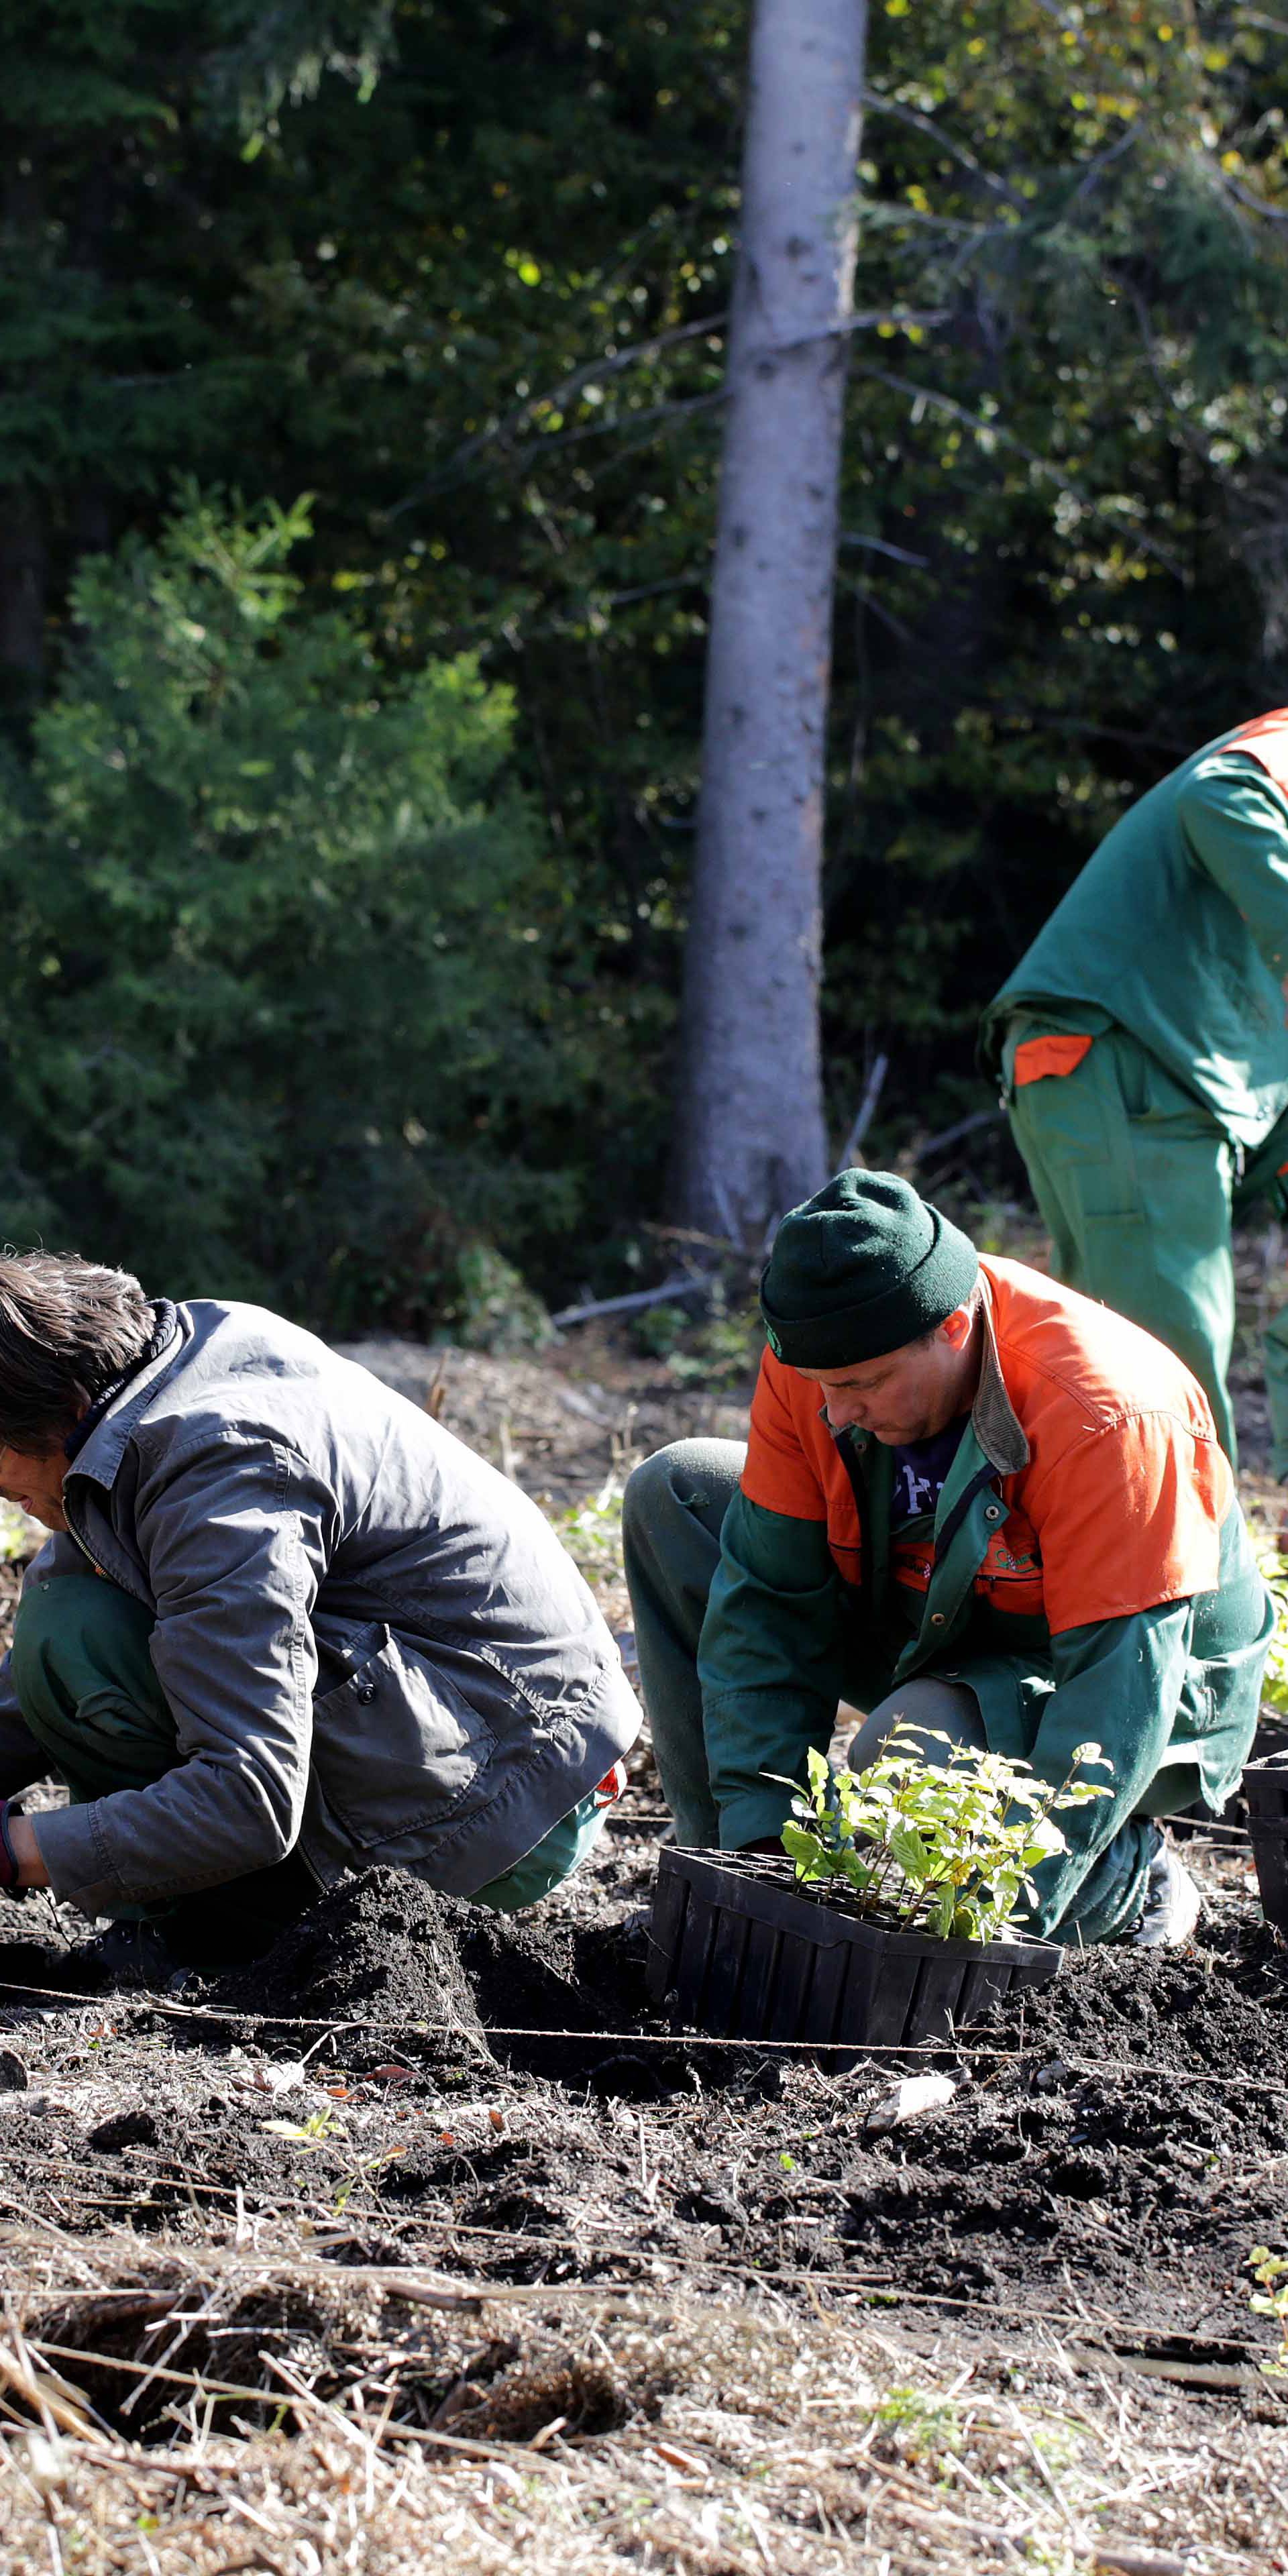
(867, 1109)
(1135, 2562)
(964, 1127)
(688, 1285)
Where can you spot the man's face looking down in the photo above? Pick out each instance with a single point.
(35, 1483)
(908, 1394)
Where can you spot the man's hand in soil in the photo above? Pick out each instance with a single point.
(20, 1861)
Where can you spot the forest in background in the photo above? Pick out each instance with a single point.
(359, 437)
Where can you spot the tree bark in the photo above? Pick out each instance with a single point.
(751, 1139)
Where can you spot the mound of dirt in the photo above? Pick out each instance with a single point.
(1221, 2015)
(384, 1949)
(377, 1948)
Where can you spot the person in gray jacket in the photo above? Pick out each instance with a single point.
(287, 1625)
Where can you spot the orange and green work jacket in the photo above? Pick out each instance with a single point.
(1086, 1573)
(1177, 929)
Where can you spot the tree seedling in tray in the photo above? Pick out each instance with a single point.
(946, 1848)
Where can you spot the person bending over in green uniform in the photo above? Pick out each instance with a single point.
(970, 1499)
(1143, 1055)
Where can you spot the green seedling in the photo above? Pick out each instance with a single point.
(1270, 2299)
(926, 2423)
(370, 2165)
(946, 1848)
(317, 2131)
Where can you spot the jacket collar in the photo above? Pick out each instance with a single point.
(102, 1452)
(994, 1420)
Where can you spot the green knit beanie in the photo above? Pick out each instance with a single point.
(864, 1267)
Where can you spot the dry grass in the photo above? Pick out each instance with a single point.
(303, 2418)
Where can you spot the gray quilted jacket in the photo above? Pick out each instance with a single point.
(372, 1644)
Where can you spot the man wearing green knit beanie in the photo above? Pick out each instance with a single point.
(970, 1499)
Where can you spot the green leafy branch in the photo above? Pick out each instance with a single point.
(938, 1847)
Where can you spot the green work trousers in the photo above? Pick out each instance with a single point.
(1137, 1186)
(671, 1522)
(89, 1695)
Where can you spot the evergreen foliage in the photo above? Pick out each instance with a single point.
(277, 1009)
(461, 271)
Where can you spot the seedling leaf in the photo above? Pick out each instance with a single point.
(944, 1846)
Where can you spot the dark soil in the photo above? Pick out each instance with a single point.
(380, 1947)
(1117, 2144)
(384, 1949)
(409, 2081)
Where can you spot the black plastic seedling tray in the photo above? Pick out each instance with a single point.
(1265, 1786)
(736, 1949)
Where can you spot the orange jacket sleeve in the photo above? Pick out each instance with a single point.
(779, 1473)
(1127, 1518)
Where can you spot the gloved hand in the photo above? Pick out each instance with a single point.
(8, 1863)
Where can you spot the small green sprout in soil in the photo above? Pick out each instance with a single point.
(935, 1847)
(1270, 2299)
(368, 2167)
(921, 2424)
(317, 2131)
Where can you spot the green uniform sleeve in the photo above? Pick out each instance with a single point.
(1118, 1683)
(1235, 822)
(769, 1661)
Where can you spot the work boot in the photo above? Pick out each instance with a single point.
(131, 1958)
(1172, 1902)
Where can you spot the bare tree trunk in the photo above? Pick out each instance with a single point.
(750, 1135)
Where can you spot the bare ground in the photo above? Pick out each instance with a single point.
(349, 2266)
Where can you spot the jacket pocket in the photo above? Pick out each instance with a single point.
(1048, 1058)
(1197, 1713)
(396, 1743)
